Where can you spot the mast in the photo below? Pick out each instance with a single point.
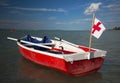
(90, 40)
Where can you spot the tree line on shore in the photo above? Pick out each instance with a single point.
(116, 28)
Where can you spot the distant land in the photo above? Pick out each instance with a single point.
(116, 28)
(13, 30)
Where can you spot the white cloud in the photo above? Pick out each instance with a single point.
(20, 24)
(68, 23)
(74, 22)
(92, 8)
(39, 9)
(112, 5)
(87, 19)
(52, 18)
(109, 6)
(113, 8)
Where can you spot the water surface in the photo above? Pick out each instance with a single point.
(15, 69)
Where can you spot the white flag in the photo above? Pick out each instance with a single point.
(97, 28)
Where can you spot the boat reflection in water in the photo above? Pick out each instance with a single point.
(29, 70)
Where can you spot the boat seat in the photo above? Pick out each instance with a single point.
(45, 39)
(33, 40)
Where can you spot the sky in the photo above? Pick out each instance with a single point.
(58, 14)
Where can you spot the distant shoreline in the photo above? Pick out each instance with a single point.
(13, 30)
(40, 30)
(116, 28)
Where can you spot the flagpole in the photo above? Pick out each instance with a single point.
(90, 40)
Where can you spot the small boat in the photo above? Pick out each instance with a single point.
(61, 55)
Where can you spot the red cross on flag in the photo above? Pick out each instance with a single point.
(97, 28)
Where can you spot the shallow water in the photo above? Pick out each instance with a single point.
(15, 69)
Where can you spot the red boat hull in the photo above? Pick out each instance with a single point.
(80, 67)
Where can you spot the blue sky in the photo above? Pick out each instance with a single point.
(58, 14)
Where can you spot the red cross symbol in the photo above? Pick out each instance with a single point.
(96, 27)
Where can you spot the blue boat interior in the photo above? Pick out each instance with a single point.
(45, 39)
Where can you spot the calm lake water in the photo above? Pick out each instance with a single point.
(15, 69)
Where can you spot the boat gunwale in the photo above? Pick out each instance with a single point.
(44, 52)
(66, 56)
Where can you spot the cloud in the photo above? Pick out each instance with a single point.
(112, 5)
(74, 22)
(109, 6)
(68, 23)
(52, 18)
(20, 24)
(38, 9)
(3, 3)
(92, 8)
(113, 8)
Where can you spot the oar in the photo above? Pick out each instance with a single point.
(10, 38)
(66, 42)
(30, 43)
(40, 45)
